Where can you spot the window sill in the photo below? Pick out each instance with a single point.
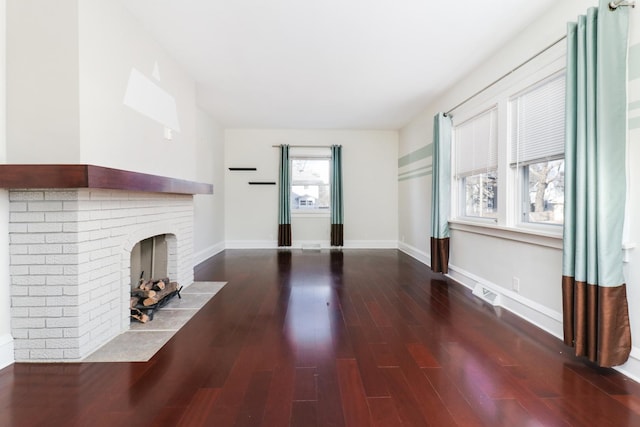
(533, 237)
(303, 214)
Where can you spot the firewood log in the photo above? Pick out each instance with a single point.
(171, 287)
(142, 293)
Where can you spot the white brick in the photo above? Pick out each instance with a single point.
(21, 355)
(70, 311)
(45, 227)
(25, 195)
(71, 333)
(61, 259)
(61, 195)
(45, 249)
(19, 312)
(48, 354)
(46, 269)
(28, 344)
(67, 216)
(17, 207)
(61, 238)
(28, 301)
(45, 312)
(47, 206)
(28, 280)
(62, 280)
(20, 291)
(27, 323)
(18, 228)
(62, 322)
(18, 249)
(45, 291)
(27, 238)
(61, 301)
(45, 333)
(27, 259)
(26, 217)
(18, 270)
(72, 353)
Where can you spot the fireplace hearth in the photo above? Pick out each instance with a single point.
(70, 254)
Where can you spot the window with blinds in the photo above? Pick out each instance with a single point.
(537, 149)
(477, 164)
(537, 127)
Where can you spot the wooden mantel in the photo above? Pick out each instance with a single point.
(90, 176)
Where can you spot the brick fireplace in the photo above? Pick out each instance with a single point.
(70, 251)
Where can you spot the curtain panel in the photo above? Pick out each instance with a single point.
(595, 310)
(337, 205)
(441, 193)
(284, 198)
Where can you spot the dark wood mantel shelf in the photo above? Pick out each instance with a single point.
(90, 176)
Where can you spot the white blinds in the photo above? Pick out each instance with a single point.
(537, 127)
(477, 144)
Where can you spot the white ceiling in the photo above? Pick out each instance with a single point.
(328, 64)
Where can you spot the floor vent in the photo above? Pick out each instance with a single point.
(311, 247)
(486, 294)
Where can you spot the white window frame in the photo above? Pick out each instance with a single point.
(301, 213)
(509, 220)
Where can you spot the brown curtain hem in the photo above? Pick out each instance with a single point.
(596, 321)
(284, 234)
(440, 255)
(337, 234)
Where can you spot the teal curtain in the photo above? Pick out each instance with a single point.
(284, 199)
(441, 193)
(337, 205)
(595, 310)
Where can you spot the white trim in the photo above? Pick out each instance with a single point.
(251, 244)
(631, 368)
(414, 252)
(6, 350)
(207, 253)
(323, 244)
(530, 236)
(535, 313)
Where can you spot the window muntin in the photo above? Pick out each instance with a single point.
(477, 165)
(537, 149)
(310, 191)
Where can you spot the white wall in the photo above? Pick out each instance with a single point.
(6, 340)
(209, 209)
(42, 82)
(111, 43)
(69, 64)
(370, 192)
(537, 265)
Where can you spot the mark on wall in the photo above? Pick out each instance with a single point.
(416, 164)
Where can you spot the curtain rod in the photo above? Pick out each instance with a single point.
(499, 79)
(613, 6)
(303, 146)
(617, 3)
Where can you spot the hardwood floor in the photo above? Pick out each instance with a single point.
(353, 338)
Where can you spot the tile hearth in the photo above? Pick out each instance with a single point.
(143, 340)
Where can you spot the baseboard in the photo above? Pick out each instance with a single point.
(251, 244)
(207, 253)
(416, 253)
(304, 244)
(535, 313)
(543, 317)
(6, 351)
(631, 369)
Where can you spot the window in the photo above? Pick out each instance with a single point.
(537, 150)
(477, 165)
(310, 184)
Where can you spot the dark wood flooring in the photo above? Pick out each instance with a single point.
(353, 338)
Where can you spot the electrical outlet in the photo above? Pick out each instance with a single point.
(515, 284)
